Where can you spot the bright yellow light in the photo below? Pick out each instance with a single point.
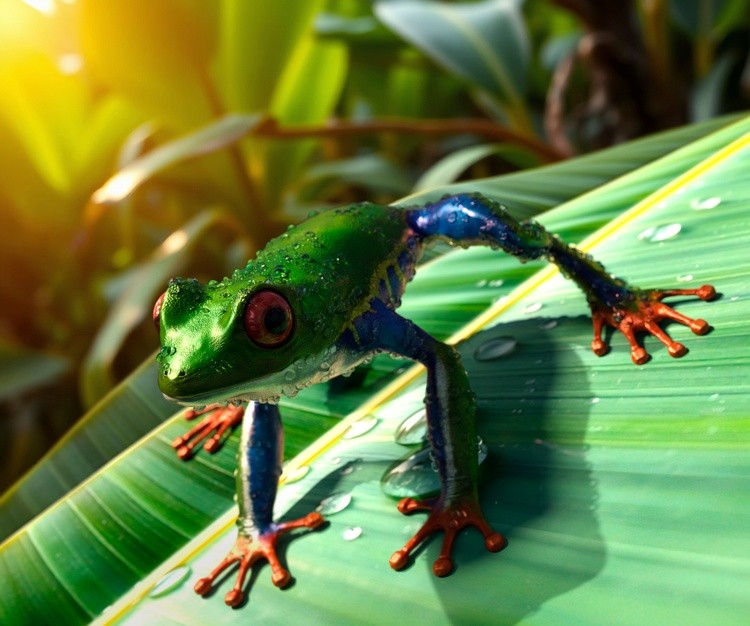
(43, 6)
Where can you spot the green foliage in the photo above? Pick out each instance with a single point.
(128, 128)
(611, 481)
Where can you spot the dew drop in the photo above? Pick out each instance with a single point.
(495, 348)
(335, 503)
(595, 400)
(358, 428)
(170, 581)
(416, 476)
(413, 429)
(549, 325)
(297, 474)
(350, 534)
(498, 282)
(482, 283)
(685, 278)
(533, 308)
(705, 204)
(656, 234)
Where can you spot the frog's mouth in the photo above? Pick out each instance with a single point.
(302, 373)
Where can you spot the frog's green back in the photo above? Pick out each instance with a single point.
(334, 261)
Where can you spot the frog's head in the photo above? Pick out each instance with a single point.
(236, 339)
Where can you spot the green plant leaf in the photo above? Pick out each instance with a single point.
(527, 193)
(23, 370)
(590, 528)
(258, 39)
(206, 140)
(449, 168)
(483, 42)
(157, 55)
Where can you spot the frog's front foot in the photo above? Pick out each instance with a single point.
(644, 313)
(248, 550)
(218, 419)
(451, 519)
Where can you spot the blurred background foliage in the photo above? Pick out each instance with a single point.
(142, 140)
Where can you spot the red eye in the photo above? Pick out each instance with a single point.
(268, 319)
(157, 309)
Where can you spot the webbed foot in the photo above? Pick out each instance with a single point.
(248, 550)
(451, 519)
(218, 419)
(644, 313)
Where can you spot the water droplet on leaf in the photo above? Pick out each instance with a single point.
(350, 534)
(170, 581)
(656, 234)
(358, 428)
(297, 474)
(334, 503)
(704, 204)
(413, 429)
(495, 348)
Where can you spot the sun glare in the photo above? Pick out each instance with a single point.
(43, 6)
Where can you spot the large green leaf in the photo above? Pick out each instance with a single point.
(613, 482)
(484, 43)
(528, 193)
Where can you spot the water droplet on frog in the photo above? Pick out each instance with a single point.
(413, 429)
(297, 474)
(350, 534)
(656, 234)
(358, 428)
(533, 308)
(549, 325)
(170, 581)
(334, 503)
(495, 348)
(704, 204)
(685, 278)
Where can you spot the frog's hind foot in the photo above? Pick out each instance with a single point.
(644, 314)
(450, 519)
(249, 550)
(218, 420)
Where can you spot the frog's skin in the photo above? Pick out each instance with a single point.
(321, 298)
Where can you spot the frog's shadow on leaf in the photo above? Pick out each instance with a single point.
(537, 487)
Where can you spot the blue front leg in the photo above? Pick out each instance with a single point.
(260, 458)
(451, 416)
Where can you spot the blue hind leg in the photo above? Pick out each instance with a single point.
(473, 219)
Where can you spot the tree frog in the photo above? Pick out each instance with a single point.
(320, 299)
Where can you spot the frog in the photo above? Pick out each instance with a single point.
(319, 300)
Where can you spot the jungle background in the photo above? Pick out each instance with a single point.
(143, 140)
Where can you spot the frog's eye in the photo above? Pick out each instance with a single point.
(268, 319)
(156, 313)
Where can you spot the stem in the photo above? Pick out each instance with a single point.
(656, 40)
(343, 128)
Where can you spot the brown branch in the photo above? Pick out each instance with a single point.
(345, 128)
